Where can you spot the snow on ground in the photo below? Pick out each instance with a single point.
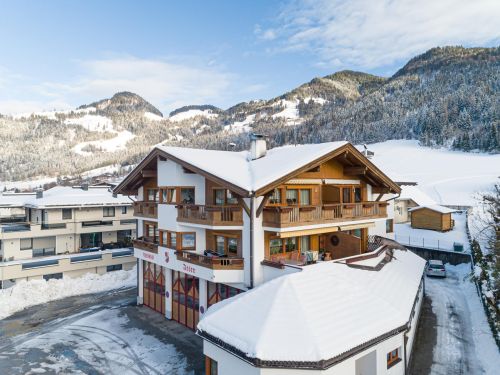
(315, 100)
(240, 126)
(105, 343)
(192, 113)
(52, 114)
(93, 123)
(290, 113)
(449, 177)
(152, 116)
(108, 145)
(464, 337)
(34, 292)
(407, 235)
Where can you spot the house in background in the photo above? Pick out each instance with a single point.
(64, 232)
(354, 316)
(411, 196)
(213, 224)
(433, 217)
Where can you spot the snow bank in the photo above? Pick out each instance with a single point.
(29, 293)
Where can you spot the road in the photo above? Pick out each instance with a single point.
(103, 333)
(445, 344)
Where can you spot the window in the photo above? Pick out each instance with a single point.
(393, 358)
(115, 267)
(275, 197)
(291, 244)
(305, 243)
(276, 246)
(305, 197)
(188, 241)
(292, 196)
(187, 195)
(168, 195)
(108, 211)
(232, 246)
(67, 213)
(26, 243)
(44, 252)
(220, 245)
(224, 197)
(58, 275)
(226, 245)
(153, 195)
(346, 195)
(210, 366)
(124, 210)
(172, 240)
(389, 226)
(358, 197)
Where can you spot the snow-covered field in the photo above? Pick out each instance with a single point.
(29, 293)
(407, 235)
(102, 343)
(108, 145)
(449, 177)
(181, 116)
(464, 340)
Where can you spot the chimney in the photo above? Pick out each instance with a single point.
(39, 194)
(258, 146)
(85, 187)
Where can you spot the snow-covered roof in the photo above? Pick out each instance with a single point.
(416, 195)
(15, 199)
(434, 207)
(249, 174)
(320, 313)
(67, 196)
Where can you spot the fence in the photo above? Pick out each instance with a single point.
(428, 243)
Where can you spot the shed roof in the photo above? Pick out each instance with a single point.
(434, 207)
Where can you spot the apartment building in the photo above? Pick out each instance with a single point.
(213, 224)
(64, 232)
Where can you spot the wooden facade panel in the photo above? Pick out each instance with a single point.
(330, 169)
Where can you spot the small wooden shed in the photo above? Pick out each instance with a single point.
(432, 217)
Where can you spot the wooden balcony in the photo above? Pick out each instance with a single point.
(210, 215)
(290, 216)
(215, 263)
(146, 209)
(146, 244)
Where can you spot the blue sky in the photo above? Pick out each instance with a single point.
(60, 54)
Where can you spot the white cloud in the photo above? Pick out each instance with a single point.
(377, 33)
(165, 83)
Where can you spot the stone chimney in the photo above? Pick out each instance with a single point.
(258, 147)
(39, 194)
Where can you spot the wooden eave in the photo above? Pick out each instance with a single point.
(372, 173)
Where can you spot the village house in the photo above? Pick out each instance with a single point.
(214, 224)
(64, 232)
(411, 196)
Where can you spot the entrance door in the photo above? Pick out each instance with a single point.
(153, 287)
(185, 299)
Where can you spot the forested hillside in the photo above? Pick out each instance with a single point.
(446, 97)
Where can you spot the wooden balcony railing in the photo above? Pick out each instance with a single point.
(147, 244)
(216, 263)
(210, 215)
(288, 216)
(146, 209)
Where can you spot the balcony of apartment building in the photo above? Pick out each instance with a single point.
(147, 209)
(221, 261)
(150, 240)
(320, 204)
(300, 249)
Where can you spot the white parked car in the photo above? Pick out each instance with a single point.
(436, 268)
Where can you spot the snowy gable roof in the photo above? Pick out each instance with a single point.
(15, 199)
(67, 196)
(251, 175)
(317, 314)
(416, 195)
(434, 207)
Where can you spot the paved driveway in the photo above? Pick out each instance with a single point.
(97, 334)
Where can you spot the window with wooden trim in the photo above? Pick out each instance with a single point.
(177, 195)
(151, 231)
(152, 195)
(275, 197)
(178, 240)
(288, 245)
(351, 193)
(226, 245)
(223, 197)
(67, 213)
(393, 358)
(301, 197)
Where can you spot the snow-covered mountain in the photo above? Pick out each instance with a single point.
(447, 96)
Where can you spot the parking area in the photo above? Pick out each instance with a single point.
(97, 334)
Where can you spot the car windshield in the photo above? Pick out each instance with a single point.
(437, 266)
